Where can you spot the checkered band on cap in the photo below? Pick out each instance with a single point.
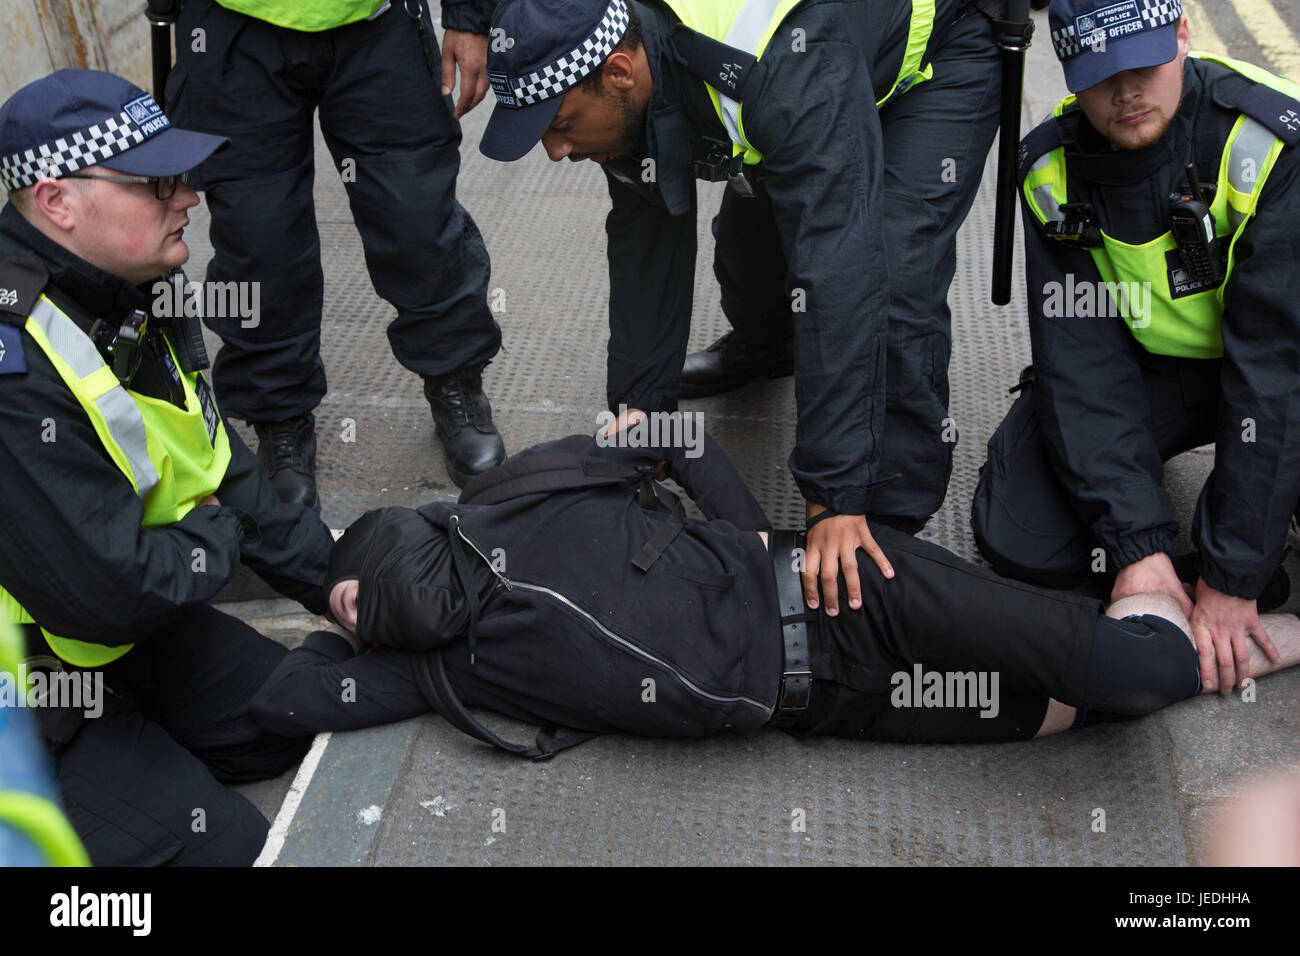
(1158, 13)
(1154, 13)
(556, 78)
(85, 147)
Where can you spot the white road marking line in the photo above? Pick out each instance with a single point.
(1204, 37)
(288, 809)
(1272, 35)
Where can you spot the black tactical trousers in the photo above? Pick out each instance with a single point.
(945, 123)
(396, 146)
(1024, 523)
(142, 782)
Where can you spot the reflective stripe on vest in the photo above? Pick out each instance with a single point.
(162, 450)
(1187, 325)
(117, 420)
(748, 25)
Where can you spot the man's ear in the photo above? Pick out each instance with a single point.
(1184, 36)
(52, 199)
(619, 72)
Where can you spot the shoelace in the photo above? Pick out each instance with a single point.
(457, 396)
(284, 439)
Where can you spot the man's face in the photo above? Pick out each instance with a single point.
(343, 603)
(1133, 109)
(596, 126)
(124, 229)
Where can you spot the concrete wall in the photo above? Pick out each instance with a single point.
(40, 36)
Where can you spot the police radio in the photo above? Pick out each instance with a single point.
(1192, 225)
(185, 331)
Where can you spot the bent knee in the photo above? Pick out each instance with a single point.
(1141, 664)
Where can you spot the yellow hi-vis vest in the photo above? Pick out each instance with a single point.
(173, 457)
(22, 806)
(748, 25)
(1179, 323)
(310, 16)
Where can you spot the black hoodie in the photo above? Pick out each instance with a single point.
(570, 633)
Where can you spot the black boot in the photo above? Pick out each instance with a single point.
(463, 417)
(287, 451)
(731, 362)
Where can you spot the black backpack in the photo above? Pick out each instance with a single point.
(548, 472)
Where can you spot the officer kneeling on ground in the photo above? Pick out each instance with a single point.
(1160, 206)
(568, 589)
(127, 502)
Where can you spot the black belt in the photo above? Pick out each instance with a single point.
(796, 678)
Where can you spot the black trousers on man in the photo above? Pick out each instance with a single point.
(142, 782)
(935, 140)
(397, 147)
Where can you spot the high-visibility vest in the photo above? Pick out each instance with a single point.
(310, 16)
(1180, 322)
(28, 796)
(748, 26)
(173, 457)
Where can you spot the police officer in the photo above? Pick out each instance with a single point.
(128, 503)
(1160, 202)
(256, 71)
(853, 137)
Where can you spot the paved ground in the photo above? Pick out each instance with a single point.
(420, 793)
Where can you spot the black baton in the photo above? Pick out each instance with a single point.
(161, 15)
(1013, 36)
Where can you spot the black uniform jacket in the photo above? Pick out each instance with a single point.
(809, 107)
(570, 632)
(72, 550)
(1088, 385)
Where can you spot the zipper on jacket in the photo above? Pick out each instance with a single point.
(640, 651)
(500, 577)
(621, 641)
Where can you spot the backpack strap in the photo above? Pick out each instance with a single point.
(431, 676)
(544, 472)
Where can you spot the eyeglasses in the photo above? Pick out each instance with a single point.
(164, 187)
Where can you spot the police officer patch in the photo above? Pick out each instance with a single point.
(12, 359)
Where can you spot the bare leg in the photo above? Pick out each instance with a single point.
(1285, 631)
(1059, 717)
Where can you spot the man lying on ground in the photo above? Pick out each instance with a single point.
(568, 589)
